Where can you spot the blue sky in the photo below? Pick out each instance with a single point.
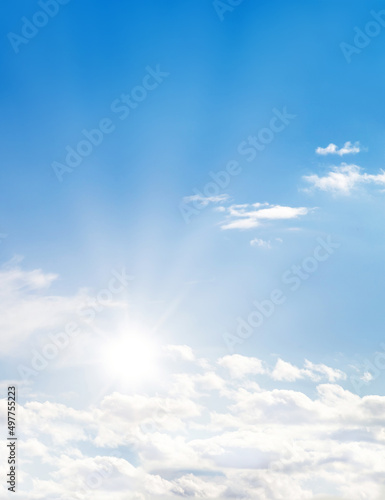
(275, 71)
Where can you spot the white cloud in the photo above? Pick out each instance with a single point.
(256, 242)
(183, 352)
(347, 148)
(27, 307)
(253, 215)
(239, 366)
(285, 371)
(367, 377)
(331, 374)
(242, 441)
(344, 179)
(203, 201)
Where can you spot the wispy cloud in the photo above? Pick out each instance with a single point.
(267, 244)
(203, 201)
(257, 242)
(27, 306)
(240, 366)
(344, 179)
(253, 215)
(332, 149)
(285, 371)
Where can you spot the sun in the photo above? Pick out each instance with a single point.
(129, 357)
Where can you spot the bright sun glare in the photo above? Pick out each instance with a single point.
(130, 357)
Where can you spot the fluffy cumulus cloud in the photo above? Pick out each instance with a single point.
(249, 216)
(344, 179)
(242, 430)
(347, 148)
